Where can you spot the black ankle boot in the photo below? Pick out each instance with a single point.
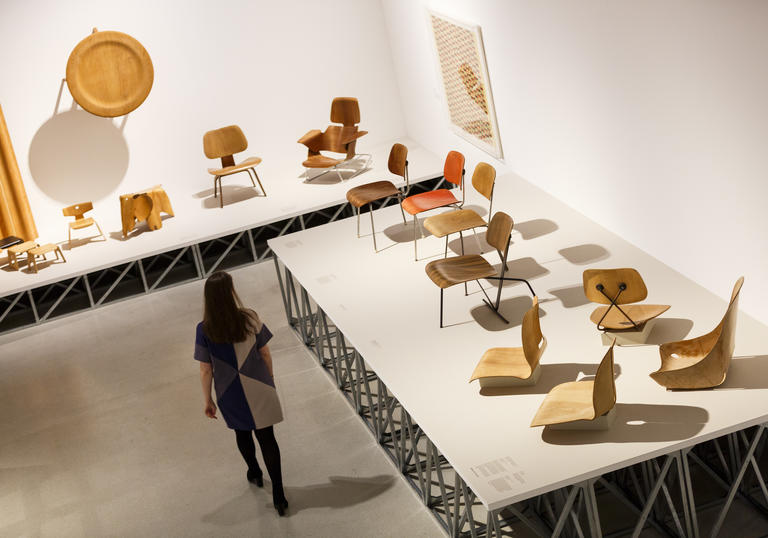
(281, 506)
(255, 477)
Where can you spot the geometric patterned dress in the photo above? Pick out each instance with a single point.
(245, 392)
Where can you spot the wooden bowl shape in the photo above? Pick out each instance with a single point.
(109, 74)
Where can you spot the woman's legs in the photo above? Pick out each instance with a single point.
(271, 453)
(248, 450)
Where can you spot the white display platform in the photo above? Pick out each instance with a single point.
(198, 216)
(388, 309)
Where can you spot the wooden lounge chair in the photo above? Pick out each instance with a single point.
(514, 366)
(224, 143)
(78, 211)
(461, 220)
(701, 363)
(581, 404)
(366, 194)
(448, 272)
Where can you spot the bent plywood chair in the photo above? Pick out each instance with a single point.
(78, 211)
(461, 220)
(366, 194)
(617, 288)
(701, 363)
(224, 143)
(581, 404)
(336, 138)
(448, 272)
(514, 366)
(453, 172)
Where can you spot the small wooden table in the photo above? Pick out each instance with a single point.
(33, 253)
(133, 206)
(15, 251)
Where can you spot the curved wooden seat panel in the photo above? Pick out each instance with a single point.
(426, 201)
(250, 162)
(450, 271)
(640, 313)
(365, 194)
(453, 222)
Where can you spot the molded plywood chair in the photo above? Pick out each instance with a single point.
(336, 138)
(224, 143)
(483, 180)
(617, 287)
(514, 366)
(701, 363)
(581, 404)
(381, 190)
(78, 211)
(453, 172)
(448, 272)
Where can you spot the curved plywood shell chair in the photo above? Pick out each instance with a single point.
(617, 288)
(701, 363)
(514, 366)
(581, 404)
(223, 144)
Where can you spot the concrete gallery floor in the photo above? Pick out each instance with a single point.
(102, 433)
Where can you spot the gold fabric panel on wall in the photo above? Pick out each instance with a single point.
(15, 213)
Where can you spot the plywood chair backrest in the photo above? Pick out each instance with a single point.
(77, 210)
(499, 231)
(453, 170)
(532, 337)
(345, 110)
(483, 179)
(331, 141)
(612, 280)
(398, 159)
(722, 351)
(223, 143)
(604, 391)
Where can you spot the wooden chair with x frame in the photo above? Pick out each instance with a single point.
(448, 272)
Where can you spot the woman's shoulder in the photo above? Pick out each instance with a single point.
(253, 319)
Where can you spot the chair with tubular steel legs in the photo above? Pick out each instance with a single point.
(223, 144)
(448, 272)
(381, 190)
(453, 172)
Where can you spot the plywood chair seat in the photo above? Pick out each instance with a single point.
(615, 320)
(429, 200)
(448, 272)
(580, 400)
(454, 222)
(365, 194)
(82, 223)
(702, 362)
(250, 162)
(321, 161)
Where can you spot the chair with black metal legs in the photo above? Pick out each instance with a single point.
(453, 172)
(366, 194)
(448, 272)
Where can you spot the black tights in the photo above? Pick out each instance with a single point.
(269, 451)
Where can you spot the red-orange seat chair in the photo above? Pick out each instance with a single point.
(453, 172)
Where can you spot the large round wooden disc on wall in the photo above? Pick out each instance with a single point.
(109, 74)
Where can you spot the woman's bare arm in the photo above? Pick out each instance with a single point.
(267, 356)
(206, 379)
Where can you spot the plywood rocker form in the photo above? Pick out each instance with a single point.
(144, 205)
(701, 363)
(581, 405)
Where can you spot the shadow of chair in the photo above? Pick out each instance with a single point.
(702, 362)
(223, 144)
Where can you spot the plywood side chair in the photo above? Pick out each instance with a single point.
(701, 363)
(366, 194)
(586, 404)
(453, 173)
(223, 144)
(461, 220)
(448, 272)
(514, 366)
(78, 211)
(335, 139)
(617, 288)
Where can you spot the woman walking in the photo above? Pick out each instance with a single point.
(231, 345)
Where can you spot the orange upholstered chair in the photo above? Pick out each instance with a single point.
(453, 172)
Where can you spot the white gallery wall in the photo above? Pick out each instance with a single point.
(651, 118)
(270, 67)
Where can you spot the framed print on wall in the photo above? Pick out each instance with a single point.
(464, 72)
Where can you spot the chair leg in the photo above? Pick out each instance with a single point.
(338, 172)
(58, 251)
(260, 185)
(441, 308)
(400, 200)
(250, 176)
(221, 195)
(415, 239)
(70, 239)
(373, 229)
(100, 232)
(215, 185)
(358, 221)
(446, 246)
(32, 260)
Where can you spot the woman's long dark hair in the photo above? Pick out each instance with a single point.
(224, 319)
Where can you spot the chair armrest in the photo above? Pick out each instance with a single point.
(312, 138)
(350, 134)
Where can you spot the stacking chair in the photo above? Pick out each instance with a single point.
(336, 138)
(514, 366)
(224, 143)
(461, 220)
(586, 405)
(453, 172)
(381, 190)
(617, 288)
(701, 363)
(78, 211)
(448, 272)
